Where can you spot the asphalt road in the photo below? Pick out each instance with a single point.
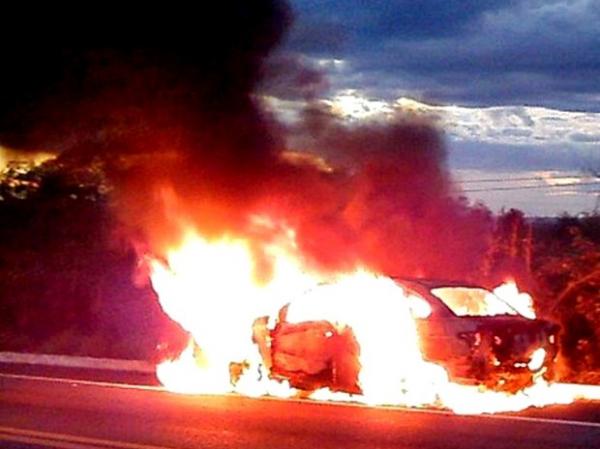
(38, 413)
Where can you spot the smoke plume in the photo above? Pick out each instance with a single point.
(184, 138)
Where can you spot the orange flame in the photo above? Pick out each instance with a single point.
(210, 288)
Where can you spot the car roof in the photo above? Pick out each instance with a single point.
(434, 283)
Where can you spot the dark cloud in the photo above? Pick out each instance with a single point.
(362, 22)
(530, 51)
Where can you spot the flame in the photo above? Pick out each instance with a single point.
(8, 155)
(210, 287)
(211, 290)
(520, 301)
(470, 301)
(536, 361)
(392, 368)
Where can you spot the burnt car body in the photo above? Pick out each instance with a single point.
(497, 351)
(494, 350)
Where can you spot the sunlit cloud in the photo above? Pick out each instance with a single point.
(499, 155)
(348, 104)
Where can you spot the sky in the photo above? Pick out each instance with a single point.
(513, 84)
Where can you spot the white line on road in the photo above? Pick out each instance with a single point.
(69, 361)
(554, 421)
(564, 422)
(40, 442)
(92, 383)
(449, 413)
(65, 441)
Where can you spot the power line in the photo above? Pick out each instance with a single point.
(530, 178)
(550, 186)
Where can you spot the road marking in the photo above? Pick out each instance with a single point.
(449, 413)
(66, 441)
(564, 422)
(40, 442)
(69, 361)
(84, 382)
(482, 415)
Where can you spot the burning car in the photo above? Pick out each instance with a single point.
(478, 336)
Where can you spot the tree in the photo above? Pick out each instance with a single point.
(510, 252)
(65, 269)
(567, 269)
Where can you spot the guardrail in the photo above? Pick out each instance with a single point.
(64, 361)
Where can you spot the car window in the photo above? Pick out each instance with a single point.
(467, 301)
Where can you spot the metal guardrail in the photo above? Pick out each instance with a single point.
(66, 361)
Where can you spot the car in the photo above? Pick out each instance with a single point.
(477, 336)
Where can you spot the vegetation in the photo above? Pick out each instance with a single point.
(559, 261)
(66, 272)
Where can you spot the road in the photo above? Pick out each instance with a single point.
(36, 413)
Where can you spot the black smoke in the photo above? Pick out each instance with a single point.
(180, 130)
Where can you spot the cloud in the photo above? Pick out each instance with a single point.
(403, 18)
(581, 137)
(492, 138)
(551, 130)
(480, 53)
